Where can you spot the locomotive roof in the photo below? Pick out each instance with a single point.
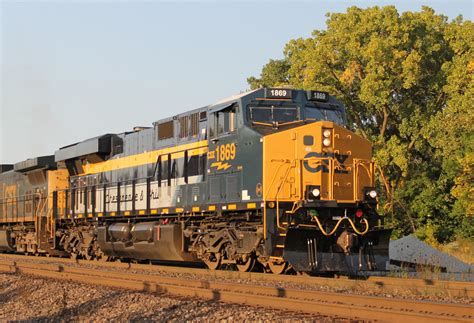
(232, 98)
(40, 162)
(98, 144)
(102, 144)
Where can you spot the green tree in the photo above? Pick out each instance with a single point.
(274, 73)
(451, 130)
(401, 77)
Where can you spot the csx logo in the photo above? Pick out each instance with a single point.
(323, 165)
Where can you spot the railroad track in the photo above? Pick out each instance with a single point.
(322, 303)
(389, 284)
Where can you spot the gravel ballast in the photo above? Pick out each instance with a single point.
(24, 297)
(403, 292)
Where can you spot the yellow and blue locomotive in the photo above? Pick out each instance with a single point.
(270, 176)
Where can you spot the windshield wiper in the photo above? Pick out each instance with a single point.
(262, 124)
(289, 122)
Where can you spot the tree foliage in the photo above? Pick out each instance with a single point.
(407, 81)
(274, 73)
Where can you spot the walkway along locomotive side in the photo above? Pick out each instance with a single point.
(270, 176)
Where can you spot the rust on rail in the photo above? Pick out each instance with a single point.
(325, 303)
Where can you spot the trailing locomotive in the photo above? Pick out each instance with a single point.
(270, 176)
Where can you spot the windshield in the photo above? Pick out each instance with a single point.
(320, 113)
(273, 114)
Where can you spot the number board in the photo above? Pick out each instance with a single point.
(278, 93)
(318, 96)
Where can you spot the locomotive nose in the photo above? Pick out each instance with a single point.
(322, 156)
(310, 251)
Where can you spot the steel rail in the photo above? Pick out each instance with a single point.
(332, 304)
(415, 285)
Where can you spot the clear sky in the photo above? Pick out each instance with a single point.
(71, 70)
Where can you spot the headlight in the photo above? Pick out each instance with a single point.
(327, 142)
(370, 195)
(315, 192)
(327, 133)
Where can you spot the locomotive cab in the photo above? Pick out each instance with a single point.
(319, 201)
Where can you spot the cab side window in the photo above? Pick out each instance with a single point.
(223, 121)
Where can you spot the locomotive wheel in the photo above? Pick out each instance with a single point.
(100, 256)
(213, 260)
(277, 268)
(247, 265)
(98, 253)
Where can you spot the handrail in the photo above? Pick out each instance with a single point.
(364, 221)
(101, 184)
(36, 215)
(369, 170)
(291, 164)
(332, 164)
(265, 195)
(43, 201)
(319, 161)
(284, 161)
(277, 201)
(15, 200)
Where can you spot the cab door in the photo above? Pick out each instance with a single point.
(225, 180)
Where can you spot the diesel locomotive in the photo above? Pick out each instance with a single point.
(270, 177)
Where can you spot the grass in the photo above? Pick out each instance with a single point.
(463, 249)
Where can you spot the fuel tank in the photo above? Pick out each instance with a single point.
(145, 241)
(120, 231)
